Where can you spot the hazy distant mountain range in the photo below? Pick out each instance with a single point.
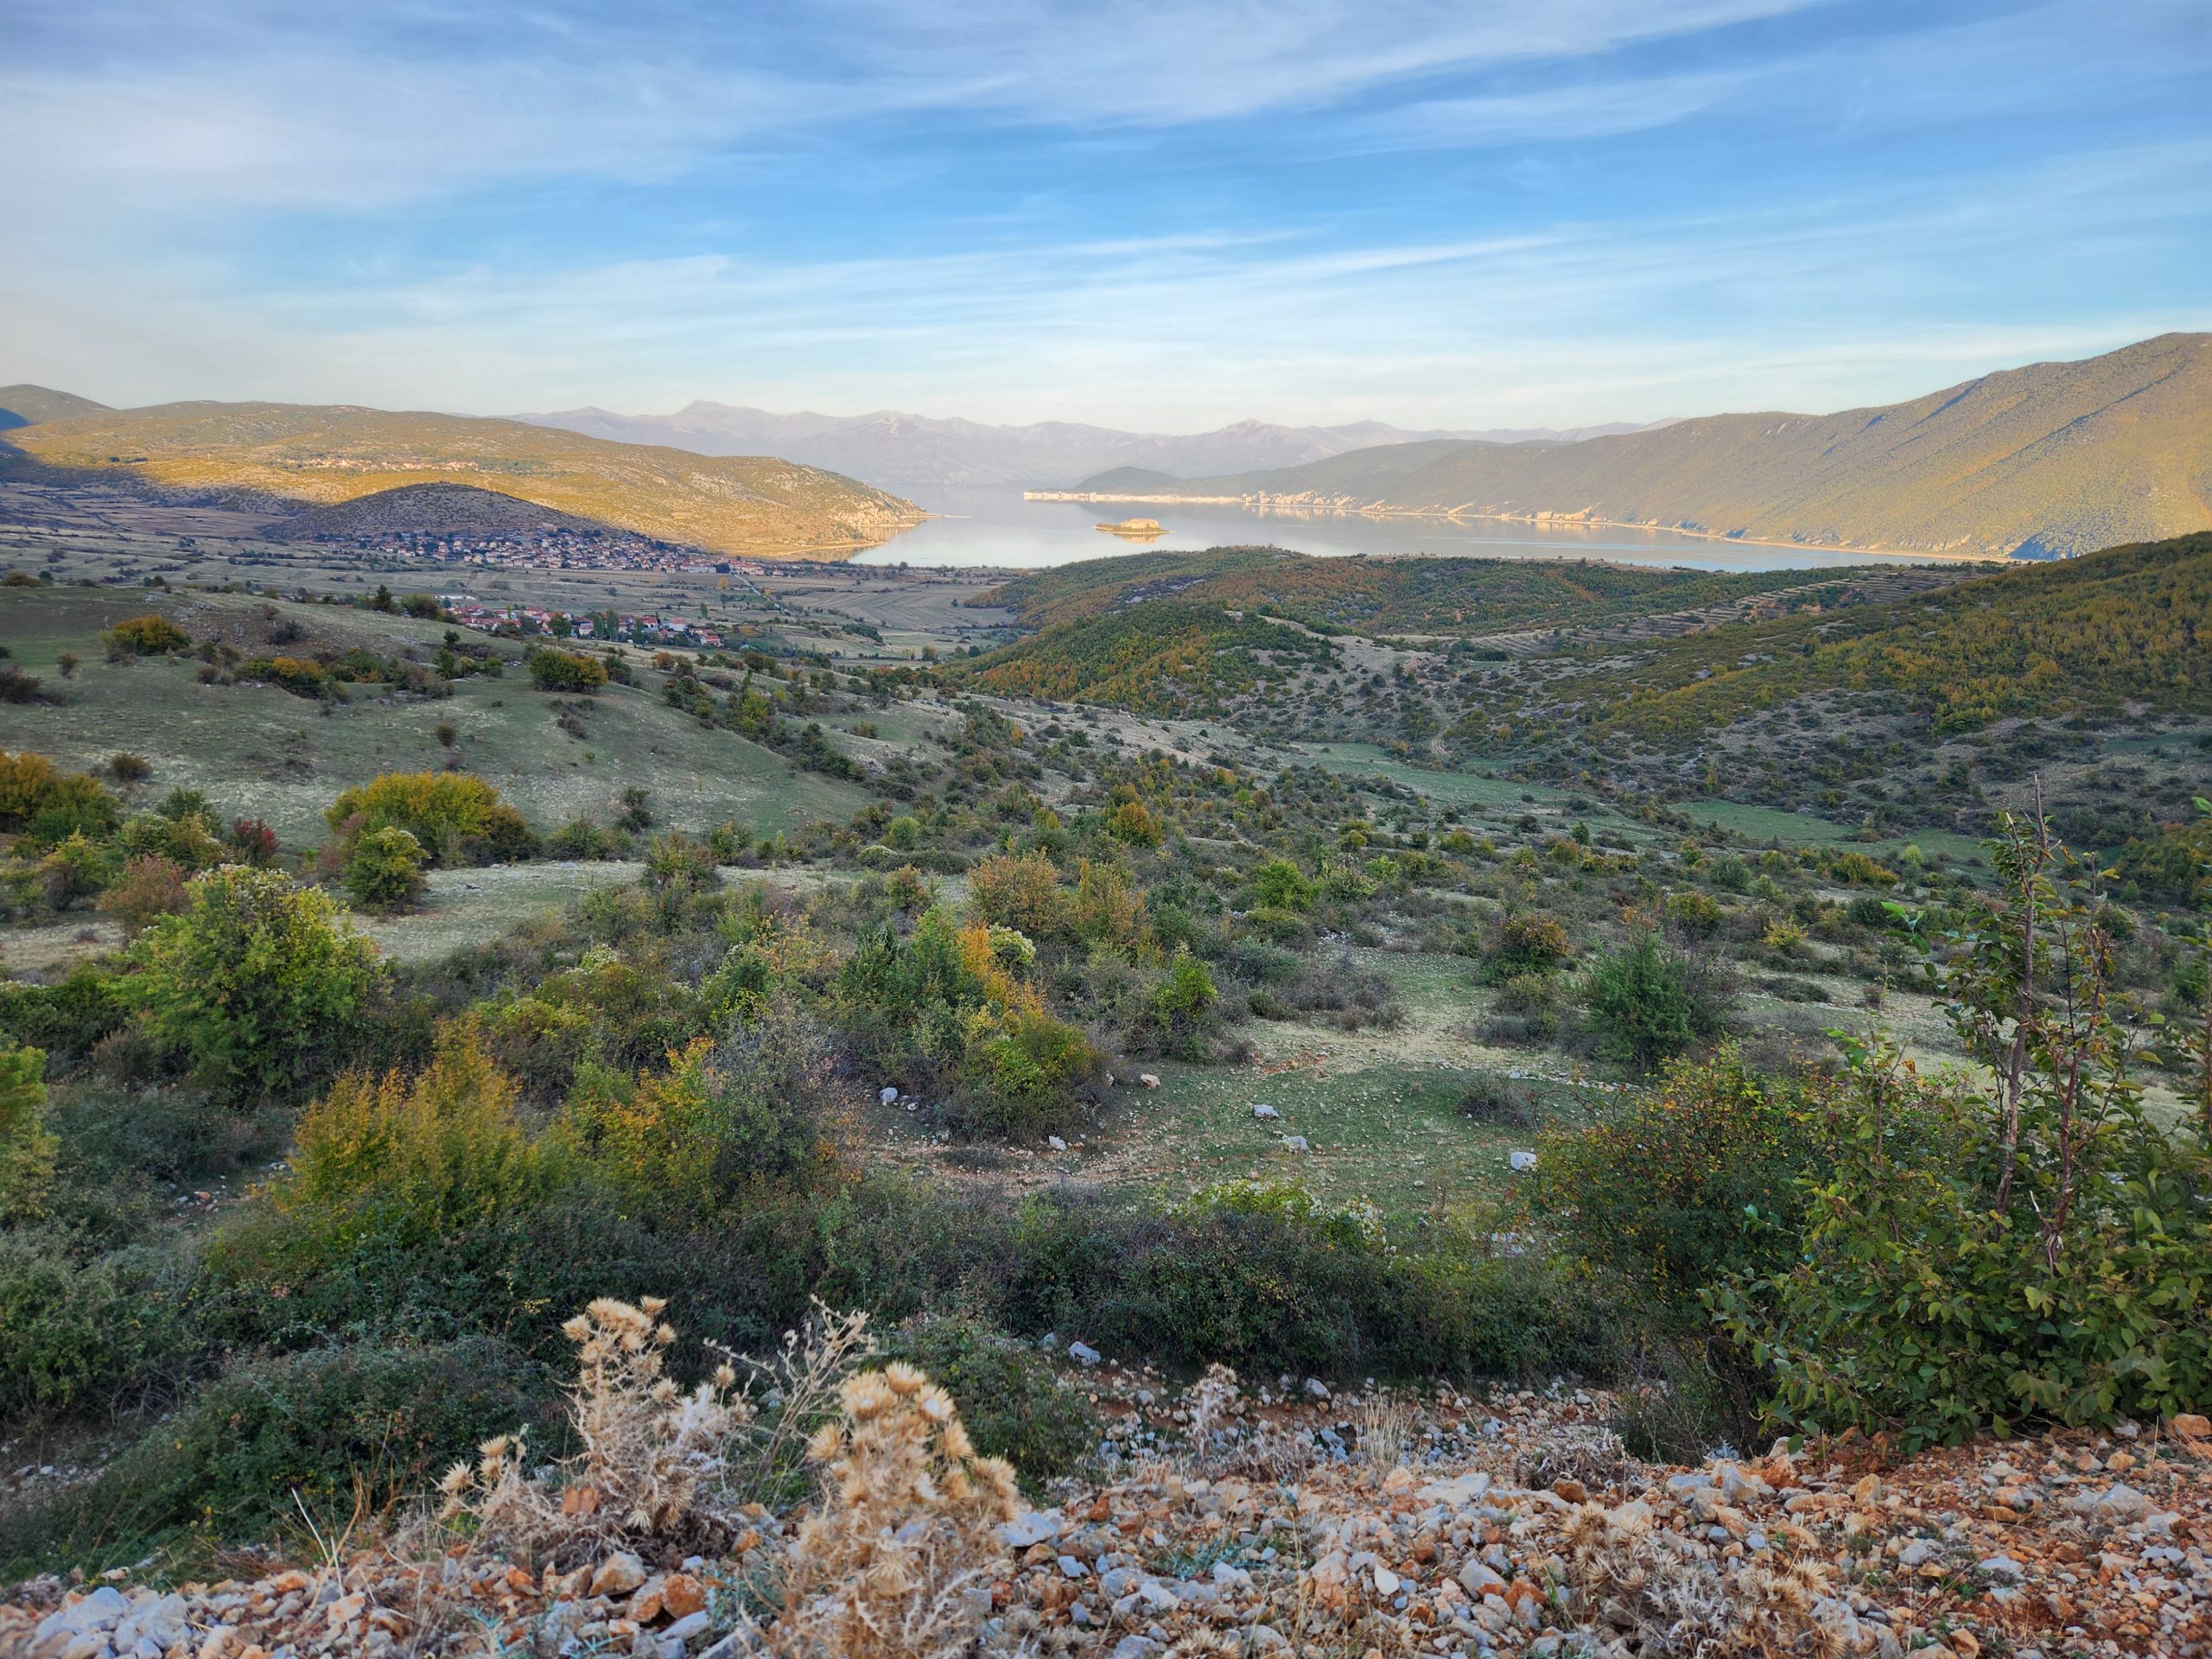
(2046, 460)
(915, 453)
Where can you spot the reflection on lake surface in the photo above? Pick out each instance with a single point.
(999, 528)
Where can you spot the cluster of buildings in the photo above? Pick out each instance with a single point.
(549, 549)
(635, 630)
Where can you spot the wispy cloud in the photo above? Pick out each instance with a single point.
(1152, 212)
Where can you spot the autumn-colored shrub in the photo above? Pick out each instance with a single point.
(458, 819)
(144, 636)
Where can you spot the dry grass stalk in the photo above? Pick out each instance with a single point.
(1385, 1426)
(897, 1560)
(1665, 1598)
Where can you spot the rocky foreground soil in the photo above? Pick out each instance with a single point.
(1278, 1522)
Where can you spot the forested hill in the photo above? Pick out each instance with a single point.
(2052, 459)
(2128, 626)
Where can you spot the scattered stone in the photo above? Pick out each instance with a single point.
(1084, 1354)
(1266, 1113)
(1148, 1079)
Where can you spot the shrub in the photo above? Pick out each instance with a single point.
(1526, 943)
(127, 768)
(385, 870)
(1698, 1177)
(457, 819)
(1106, 908)
(144, 636)
(1645, 1005)
(1698, 915)
(87, 1335)
(49, 806)
(415, 1157)
(566, 670)
(1021, 892)
(2022, 1242)
(677, 864)
(254, 981)
(334, 1426)
(66, 1020)
(1010, 1397)
(1178, 1014)
(723, 1118)
(27, 1147)
(1021, 1072)
(75, 871)
(1279, 885)
(150, 887)
(1133, 823)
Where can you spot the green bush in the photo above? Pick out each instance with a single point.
(1179, 1015)
(144, 636)
(1279, 885)
(1701, 1176)
(64, 1020)
(1526, 943)
(90, 1335)
(1020, 1073)
(1012, 1402)
(254, 982)
(27, 1146)
(272, 1437)
(1646, 1004)
(2024, 1243)
(385, 870)
(566, 670)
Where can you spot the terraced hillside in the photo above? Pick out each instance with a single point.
(2051, 459)
(312, 455)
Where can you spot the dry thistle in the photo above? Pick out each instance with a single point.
(1664, 1596)
(896, 1561)
(652, 1456)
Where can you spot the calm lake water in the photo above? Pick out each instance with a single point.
(1000, 528)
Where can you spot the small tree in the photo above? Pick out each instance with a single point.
(385, 870)
(2022, 1241)
(253, 981)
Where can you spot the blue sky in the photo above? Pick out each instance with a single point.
(1141, 212)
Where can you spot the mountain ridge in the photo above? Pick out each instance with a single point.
(322, 455)
(25, 404)
(2044, 461)
(910, 452)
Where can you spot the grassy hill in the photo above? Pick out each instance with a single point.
(259, 750)
(319, 456)
(2053, 458)
(433, 509)
(27, 405)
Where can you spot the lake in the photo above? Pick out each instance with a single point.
(999, 528)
